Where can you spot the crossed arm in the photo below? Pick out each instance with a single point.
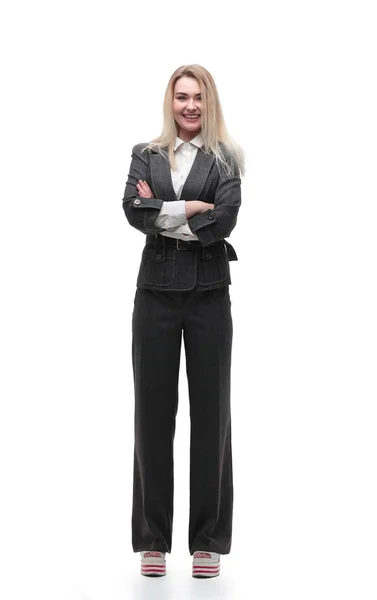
(208, 222)
(173, 215)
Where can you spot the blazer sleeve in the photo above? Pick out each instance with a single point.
(215, 225)
(141, 213)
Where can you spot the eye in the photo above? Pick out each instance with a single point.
(183, 98)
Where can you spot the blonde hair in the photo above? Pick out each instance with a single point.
(229, 155)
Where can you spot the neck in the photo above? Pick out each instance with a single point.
(187, 136)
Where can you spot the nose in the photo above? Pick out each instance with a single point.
(191, 104)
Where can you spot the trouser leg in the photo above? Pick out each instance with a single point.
(156, 348)
(208, 332)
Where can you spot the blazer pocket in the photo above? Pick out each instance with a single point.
(156, 269)
(213, 266)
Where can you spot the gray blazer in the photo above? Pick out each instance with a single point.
(174, 269)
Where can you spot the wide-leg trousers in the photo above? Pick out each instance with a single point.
(158, 321)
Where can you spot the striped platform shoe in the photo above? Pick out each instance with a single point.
(205, 564)
(153, 563)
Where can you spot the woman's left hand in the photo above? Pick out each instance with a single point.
(143, 189)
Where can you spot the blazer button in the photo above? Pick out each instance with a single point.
(210, 216)
(158, 256)
(137, 201)
(208, 255)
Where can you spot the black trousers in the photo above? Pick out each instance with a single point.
(158, 320)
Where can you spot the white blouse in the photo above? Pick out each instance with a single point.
(172, 216)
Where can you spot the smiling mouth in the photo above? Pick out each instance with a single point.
(191, 117)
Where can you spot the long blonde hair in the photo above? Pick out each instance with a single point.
(228, 154)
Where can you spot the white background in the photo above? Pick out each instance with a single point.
(82, 82)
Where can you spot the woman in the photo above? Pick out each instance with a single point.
(183, 192)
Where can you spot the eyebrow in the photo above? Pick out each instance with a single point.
(184, 94)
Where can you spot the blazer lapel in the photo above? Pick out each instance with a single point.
(162, 183)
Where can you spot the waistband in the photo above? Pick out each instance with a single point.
(161, 241)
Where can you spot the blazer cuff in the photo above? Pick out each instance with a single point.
(149, 215)
(199, 226)
(148, 203)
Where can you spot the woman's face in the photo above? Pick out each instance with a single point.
(187, 100)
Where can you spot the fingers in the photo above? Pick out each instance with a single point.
(144, 188)
(143, 185)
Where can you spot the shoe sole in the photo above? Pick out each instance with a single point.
(204, 569)
(153, 567)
